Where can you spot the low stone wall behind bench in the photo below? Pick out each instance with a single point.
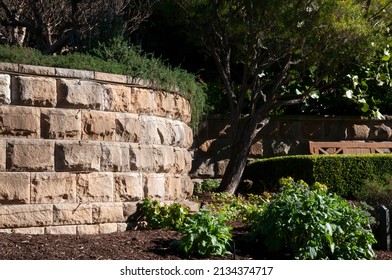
(80, 149)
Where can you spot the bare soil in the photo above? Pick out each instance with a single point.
(129, 245)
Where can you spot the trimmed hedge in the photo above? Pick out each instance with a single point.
(343, 174)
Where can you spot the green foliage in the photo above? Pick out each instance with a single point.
(207, 185)
(377, 192)
(206, 235)
(118, 57)
(238, 208)
(345, 174)
(314, 224)
(164, 216)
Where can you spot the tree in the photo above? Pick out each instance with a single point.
(276, 53)
(50, 25)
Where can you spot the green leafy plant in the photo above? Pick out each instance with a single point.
(160, 215)
(206, 235)
(207, 185)
(377, 192)
(314, 224)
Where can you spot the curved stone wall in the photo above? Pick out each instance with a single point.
(79, 149)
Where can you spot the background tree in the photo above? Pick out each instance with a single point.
(50, 25)
(277, 53)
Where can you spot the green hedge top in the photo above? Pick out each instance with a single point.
(343, 174)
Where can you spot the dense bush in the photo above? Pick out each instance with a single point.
(344, 174)
(314, 224)
(118, 57)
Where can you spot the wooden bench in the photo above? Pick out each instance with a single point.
(349, 147)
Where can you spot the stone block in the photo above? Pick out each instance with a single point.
(60, 230)
(107, 228)
(5, 89)
(53, 187)
(30, 155)
(128, 187)
(14, 188)
(34, 91)
(108, 77)
(164, 104)
(142, 101)
(178, 134)
(30, 230)
(79, 94)
(108, 212)
(256, 150)
(182, 109)
(37, 70)
(60, 124)
(188, 137)
(94, 187)
(87, 229)
(381, 132)
(146, 158)
(135, 157)
(130, 209)
(74, 73)
(359, 132)
(179, 162)
(203, 167)
(19, 122)
(3, 157)
(173, 187)
(26, 215)
(5, 230)
(154, 130)
(220, 167)
(117, 98)
(72, 214)
(187, 187)
(122, 227)
(128, 128)
(98, 126)
(154, 185)
(115, 157)
(80, 156)
(164, 159)
(9, 67)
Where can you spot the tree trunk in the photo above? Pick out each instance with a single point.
(240, 149)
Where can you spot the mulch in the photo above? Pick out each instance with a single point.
(130, 245)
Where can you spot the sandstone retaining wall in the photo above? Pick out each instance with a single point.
(80, 149)
(284, 135)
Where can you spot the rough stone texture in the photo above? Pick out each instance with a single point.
(142, 101)
(3, 145)
(130, 209)
(115, 157)
(14, 216)
(34, 91)
(60, 124)
(128, 128)
(382, 132)
(60, 230)
(30, 155)
(38, 70)
(98, 126)
(164, 159)
(128, 187)
(94, 187)
(19, 122)
(30, 230)
(154, 185)
(108, 212)
(360, 132)
(80, 156)
(108, 77)
(87, 229)
(107, 228)
(80, 94)
(53, 187)
(14, 188)
(5, 91)
(117, 98)
(72, 214)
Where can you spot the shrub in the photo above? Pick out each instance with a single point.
(314, 224)
(377, 192)
(345, 174)
(206, 235)
(164, 216)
